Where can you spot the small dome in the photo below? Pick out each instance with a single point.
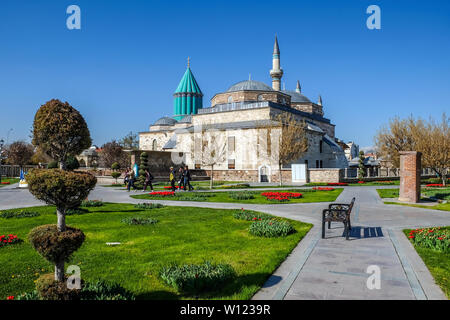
(250, 85)
(187, 119)
(165, 121)
(296, 97)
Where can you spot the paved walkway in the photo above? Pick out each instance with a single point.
(330, 268)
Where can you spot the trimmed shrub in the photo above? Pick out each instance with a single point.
(139, 221)
(243, 195)
(250, 215)
(271, 228)
(50, 289)
(148, 206)
(76, 211)
(19, 214)
(197, 278)
(91, 203)
(54, 245)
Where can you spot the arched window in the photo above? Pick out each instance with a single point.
(154, 145)
(260, 97)
(230, 99)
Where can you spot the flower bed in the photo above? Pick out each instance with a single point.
(437, 185)
(281, 196)
(337, 184)
(271, 228)
(361, 182)
(162, 193)
(323, 189)
(6, 182)
(434, 238)
(8, 240)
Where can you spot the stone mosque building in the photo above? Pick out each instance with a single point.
(237, 124)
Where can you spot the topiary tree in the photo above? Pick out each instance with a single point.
(65, 190)
(72, 163)
(60, 130)
(142, 166)
(361, 165)
(115, 166)
(115, 175)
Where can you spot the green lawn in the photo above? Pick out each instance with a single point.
(309, 195)
(11, 181)
(388, 193)
(440, 206)
(368, 184)
(438, 193)
(438, 263)
(182, 235)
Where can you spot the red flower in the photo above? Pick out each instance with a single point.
(10, 298)
(411, 237)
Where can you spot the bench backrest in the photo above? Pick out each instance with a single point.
(350, 207)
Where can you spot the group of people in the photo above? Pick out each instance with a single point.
(183, 176)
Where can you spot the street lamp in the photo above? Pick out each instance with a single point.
(2, 143)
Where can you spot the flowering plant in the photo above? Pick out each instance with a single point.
(434, 238)
(323, 189)
(10, 298)
(6, 182)
(281, 196)
(8, 240)
(162, 193)
(438, 185)
(337, 184)
(361, 182)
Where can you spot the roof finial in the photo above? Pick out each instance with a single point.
(249, 77)
(320, 100)
(299, 88)
(189, 62)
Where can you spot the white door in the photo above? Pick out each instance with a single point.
(298, 172)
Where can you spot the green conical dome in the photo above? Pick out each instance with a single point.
(188, 83)
(188, 97)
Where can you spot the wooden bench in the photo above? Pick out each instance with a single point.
(339, 212)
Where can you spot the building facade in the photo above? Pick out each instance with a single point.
(237, 134)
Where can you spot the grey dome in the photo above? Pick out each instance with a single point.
(250, 85)
(187, 119)
(165, 121)
(296, 97)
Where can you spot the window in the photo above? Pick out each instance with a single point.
(230, 99)
(197, 166)
(317, 164)
(154, 145)
(321, 163)
(231, 164)
(231, 144)
(320, 146)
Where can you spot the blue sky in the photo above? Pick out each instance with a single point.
(121, 69)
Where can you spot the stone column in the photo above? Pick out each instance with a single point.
(410, 166)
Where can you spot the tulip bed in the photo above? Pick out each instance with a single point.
(10, 239)
(183, 236)
(433, 246)
(281, 196)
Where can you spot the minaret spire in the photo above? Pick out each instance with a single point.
(320, 100)
(299, 88)
(276, 73)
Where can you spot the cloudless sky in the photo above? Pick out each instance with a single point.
(121, 69)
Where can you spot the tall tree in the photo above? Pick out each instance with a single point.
(112, 152)
(361, 166)
(130, 141)
(60, 130)
(19, 153)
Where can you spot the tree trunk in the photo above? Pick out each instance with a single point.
(281, 175)
(62, 165)
(211, 180)
(444, 180)
(59, 265)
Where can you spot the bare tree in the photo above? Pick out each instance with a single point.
(113, 152)
(208, 148)
(20, 153)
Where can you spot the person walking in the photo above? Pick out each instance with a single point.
(181, 178)
(126, 177)
(172, 178)
(131, 180)
(187, 179)
(148, 180)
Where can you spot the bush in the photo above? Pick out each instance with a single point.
(115, 166)
(251, 215)
(54, 245)
(271, 228)
(234, 186)
(91, 203)
(50, 289)
(72, 163)
(19, 214)
(115, 175)
(148, 206)
(197, 278)
(76, 211)
(139, 221)
(52, 165)
(433, 238)
(241, 195)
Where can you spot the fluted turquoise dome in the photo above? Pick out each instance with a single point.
(188, 97)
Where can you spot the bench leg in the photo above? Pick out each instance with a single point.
(329, 224)
(323, 229)
(349, 224)
(347, 230)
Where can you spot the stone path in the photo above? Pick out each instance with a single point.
(331, 268)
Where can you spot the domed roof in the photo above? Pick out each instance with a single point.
(250, 85)
(165, 121)
(188, 84)
(296, 97)
(187, 119)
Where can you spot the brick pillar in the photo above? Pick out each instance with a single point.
(410, 166)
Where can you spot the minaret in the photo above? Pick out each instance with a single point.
(320, 100)
(299, 88)
(188, 97)
(276, 73)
